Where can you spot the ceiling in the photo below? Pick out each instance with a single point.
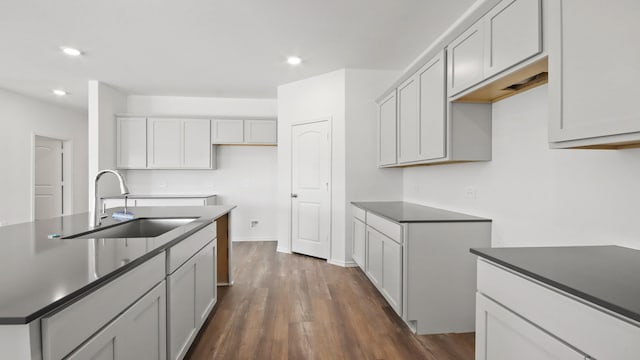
(219, 48)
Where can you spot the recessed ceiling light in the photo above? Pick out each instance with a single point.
(59, 92)
(294, 60)
(71, 51)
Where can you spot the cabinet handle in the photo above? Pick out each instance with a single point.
(294, 195)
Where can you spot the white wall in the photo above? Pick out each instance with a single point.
(318, 97)
(20, 117)
(246, 175)
(537, 196)
(104, 103)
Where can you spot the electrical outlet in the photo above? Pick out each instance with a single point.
(470, 192)
(253, 224)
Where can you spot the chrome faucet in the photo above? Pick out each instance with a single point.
(97, 219)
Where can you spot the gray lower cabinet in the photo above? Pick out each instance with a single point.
(139, 333)
(359, 241)
(191, 297)
(423, 268)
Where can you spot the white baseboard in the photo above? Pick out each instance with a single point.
(254, 239)
(283, 250)
(349, 263)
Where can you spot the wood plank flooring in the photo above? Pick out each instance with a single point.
(297, 307)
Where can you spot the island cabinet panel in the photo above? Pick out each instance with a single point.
(66, 329)
(503, 335)
(131, 141)
(593, 90)
(593, 332)
(513, 32)
(191, 295)
(387, 131)
(139, 333)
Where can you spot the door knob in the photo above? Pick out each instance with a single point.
(294, 195)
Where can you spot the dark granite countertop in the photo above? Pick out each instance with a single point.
(405, 212)
(161, 196)
(38, 274)
(608, 276)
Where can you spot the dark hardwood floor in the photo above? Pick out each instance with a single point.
(297, 307)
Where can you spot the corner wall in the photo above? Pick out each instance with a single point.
(20, 118)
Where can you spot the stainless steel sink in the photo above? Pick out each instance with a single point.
(138, 228)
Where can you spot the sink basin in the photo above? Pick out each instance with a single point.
(138, 228)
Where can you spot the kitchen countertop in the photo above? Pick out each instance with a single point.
(161, 196)
(38, 274)
(608, 276)
(405, 212)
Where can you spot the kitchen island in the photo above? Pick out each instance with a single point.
(56, 278)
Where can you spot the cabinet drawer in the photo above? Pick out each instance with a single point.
(184, 250)
(171, 202)
(66, 329)
(593, 331)
(389, 228)
(358, 213)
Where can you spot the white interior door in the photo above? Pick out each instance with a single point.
(310, 195)
(48, 178)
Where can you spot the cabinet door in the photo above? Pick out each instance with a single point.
(374, 256)
(165, 143)
(408, 121)
(433, 100)
(503, 335)
(182, 321)
(512, 34)
(131, 140)
(227, 131)
(206, 289)
(359, 241)
(387, 113)
(466, 59)
(139, 333)
(196, 144)
(593, 82)
(392, 273)
(260, 131)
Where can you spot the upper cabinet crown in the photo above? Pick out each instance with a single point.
(593, 87)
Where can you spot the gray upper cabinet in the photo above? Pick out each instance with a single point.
(387, 113)
(507, 35)
(433, 119)
(466, 59)
(227, 131)
(178, 143)
(260, 132)
(593, 85)
(422, 115)
(408, 121)
(131, 141)
(512, 34)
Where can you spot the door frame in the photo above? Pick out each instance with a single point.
(329, 120)
(67, 171)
